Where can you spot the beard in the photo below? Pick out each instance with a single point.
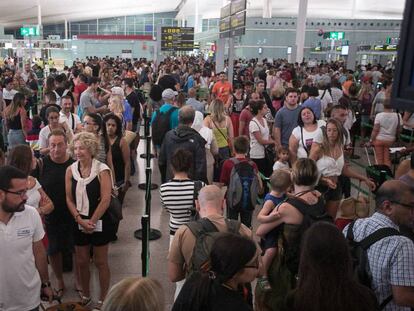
(13, 209)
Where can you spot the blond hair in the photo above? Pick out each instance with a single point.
(87, 140)
(135, 294)
(280, 180)
(217, 111)
(116, 105)
(278, 91)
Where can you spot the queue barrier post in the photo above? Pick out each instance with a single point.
(153, 234)
(145, 223)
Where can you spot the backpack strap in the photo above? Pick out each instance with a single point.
(233, 226)
(378, 235)
(370, 240)
(201, 226)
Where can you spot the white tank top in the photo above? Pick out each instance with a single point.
(328, 166)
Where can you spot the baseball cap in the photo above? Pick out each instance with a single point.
(117, 90)
(169, 93)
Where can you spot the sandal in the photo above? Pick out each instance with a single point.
(85, 301)
(98, 305)
(59, 293)
(264, 284)
(80, 292)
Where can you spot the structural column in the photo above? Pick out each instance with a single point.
(231, 60)
(267, 8)
(220, 48)
(66, 29)
(300, 31)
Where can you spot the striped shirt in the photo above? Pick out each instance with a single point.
(177, 197)
(391, 259)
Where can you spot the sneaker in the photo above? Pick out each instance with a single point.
(264, 284)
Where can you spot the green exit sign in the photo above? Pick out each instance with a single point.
(29, 31)
(334, 35)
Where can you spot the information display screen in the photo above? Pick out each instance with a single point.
(177, 38)
(238, 20)
(224, 27)
(225, 11)
(237, 6)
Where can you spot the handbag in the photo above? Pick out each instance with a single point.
(114, 210)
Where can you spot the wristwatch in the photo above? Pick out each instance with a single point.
(46, 284)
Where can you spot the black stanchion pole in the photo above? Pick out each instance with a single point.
(147, 134)
(145, 223)
(143, 186)
(154, 234)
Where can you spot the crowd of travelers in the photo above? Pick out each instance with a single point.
(257, 177)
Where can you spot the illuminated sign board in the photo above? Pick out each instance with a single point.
(334, 35)
(238, 6)
(29, 31)
(177, 38)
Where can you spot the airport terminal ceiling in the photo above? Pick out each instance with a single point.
(25, 11)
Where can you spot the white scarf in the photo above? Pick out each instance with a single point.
(82, 200)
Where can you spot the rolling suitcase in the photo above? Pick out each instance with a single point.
(378, 173)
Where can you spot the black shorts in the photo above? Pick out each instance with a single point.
(96, 238)
(271, 238)
(331, 194)
(60, 238)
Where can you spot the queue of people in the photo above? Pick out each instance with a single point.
(277, 133)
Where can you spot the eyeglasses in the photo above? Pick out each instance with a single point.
(88, 123)
(403, 204)
(19, 193)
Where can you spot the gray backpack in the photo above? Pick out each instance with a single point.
(243, 186)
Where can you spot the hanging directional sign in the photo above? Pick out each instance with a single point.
(334, 35)
(29, 31)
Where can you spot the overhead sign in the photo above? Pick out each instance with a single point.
(224, 27)
(225, 11)
(334, 35)
(177, 38)
(385, 47)
(238, 6)
(29, 31)
(233, 19)
(238, 23)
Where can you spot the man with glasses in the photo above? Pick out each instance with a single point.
(391, 259)
(23, 265)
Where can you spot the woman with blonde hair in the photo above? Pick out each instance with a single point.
(222, 128)
(88, 195)
(116, 106)
(15, 120)
(135, 294)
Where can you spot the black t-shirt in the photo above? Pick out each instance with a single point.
(52, 179)
(221, 298)
(135, 103)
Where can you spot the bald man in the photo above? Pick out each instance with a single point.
(210, 206)
(391, 259)
(193, 102)
(186, 138)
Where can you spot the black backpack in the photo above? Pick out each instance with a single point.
(161, 125)
(360, 263)
(206, 233)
